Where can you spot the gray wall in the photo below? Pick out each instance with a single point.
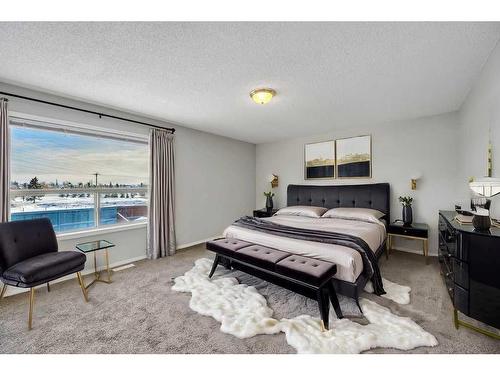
(479, 113)
(215, 176)
(399, 149)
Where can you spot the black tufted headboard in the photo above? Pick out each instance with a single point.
(376, 196)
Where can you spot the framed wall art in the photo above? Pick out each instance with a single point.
(319, 160)
(354, 157)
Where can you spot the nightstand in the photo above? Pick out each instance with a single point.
(263, 212)
(415, 231)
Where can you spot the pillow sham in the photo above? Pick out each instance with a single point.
(352, 213)
(307, 211)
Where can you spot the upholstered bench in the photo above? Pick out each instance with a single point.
(307, 276)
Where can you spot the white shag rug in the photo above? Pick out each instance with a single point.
(395, 292)
(243, 312)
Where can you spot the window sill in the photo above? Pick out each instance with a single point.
(99, 231)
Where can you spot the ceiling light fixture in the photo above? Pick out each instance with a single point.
(262, 96)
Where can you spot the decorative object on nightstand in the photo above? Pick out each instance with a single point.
(269, 200)
(416, 231)
(264, 212)
(407, 211)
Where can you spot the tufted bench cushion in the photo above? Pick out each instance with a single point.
(227, 246)
(261, 256)
(311, 271)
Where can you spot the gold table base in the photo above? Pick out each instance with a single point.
(425, 244)
(97, 274)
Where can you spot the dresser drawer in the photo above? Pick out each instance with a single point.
(447, 273)
(461, 299)
(447, 237)
(460, 273)
(463, 245)
(450, 287)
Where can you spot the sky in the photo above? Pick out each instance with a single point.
(51, 155)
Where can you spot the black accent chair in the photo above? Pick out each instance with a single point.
(29, 257)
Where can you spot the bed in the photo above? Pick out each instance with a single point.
(350, 278)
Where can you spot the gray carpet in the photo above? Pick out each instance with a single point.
(139, 313)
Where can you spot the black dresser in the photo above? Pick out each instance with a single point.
(470, 264)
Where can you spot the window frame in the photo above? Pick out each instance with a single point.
(17, 119)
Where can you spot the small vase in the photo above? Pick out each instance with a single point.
(407, 215)
(269, 204)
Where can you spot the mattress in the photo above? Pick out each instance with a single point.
(349, 262)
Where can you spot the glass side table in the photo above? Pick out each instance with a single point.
(94, 247)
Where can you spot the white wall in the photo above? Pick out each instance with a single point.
(479, 113)
(426, 145)
(215, 176)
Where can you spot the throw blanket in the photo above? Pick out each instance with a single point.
(370, 264)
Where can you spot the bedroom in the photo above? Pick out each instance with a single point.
(332, 189)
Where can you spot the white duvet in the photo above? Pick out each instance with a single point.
(349, 262)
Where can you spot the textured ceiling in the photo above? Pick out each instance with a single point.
(327, 75)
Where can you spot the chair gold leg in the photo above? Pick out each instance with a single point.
(4, 288)
(82, 285)
(32, 303)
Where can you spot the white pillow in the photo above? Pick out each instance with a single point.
(308, 211)
(363, 214)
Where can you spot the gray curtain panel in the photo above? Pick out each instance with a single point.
(161, 228)
(4, 161)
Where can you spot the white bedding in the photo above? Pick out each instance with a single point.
(349, 262)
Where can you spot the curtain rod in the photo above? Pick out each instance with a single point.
(172, 130)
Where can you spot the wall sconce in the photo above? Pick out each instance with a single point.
(273, 180)
(414, 178)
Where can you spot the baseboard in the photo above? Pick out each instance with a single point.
(197, 242)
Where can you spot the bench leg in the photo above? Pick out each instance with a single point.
(214, 266)
(324, 305)
(334, 300)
